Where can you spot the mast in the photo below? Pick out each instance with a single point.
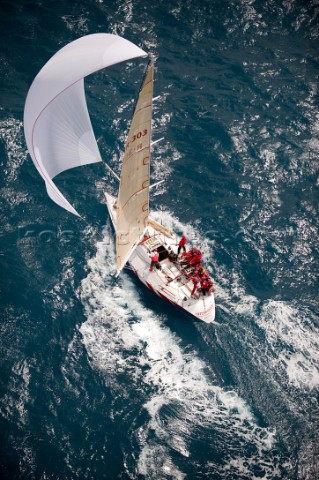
(133, 197)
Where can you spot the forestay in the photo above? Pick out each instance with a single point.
(57, 125)
(133, 198)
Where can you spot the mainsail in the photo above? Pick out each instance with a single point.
(133, 198)
(57, 125)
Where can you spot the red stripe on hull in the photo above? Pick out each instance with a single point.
(165, 298)
(150, 286)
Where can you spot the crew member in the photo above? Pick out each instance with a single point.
(196, 257)
(197, 285)
(205, 284)
(200, 270)
(154, 260)
(145, 237)
(208, 286)
(182, 243)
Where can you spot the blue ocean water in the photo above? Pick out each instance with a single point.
(100, 379)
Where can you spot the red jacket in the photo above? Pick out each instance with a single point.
(154, 257)
(196, 281)
(195, 259)
(182, 241)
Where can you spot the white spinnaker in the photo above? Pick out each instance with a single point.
(57, 125)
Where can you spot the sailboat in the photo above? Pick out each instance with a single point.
(59, 136)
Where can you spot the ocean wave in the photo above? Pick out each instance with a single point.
(11, 134)
(293, 339)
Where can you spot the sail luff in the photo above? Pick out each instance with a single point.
(133, 198)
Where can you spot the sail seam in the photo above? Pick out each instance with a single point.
(45, 175)
(134, 195)
(141, 150)
(142, 108)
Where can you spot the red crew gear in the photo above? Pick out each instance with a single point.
(181, 245)
(196, 282)
(154, 259)
(196, 258)
(182, 241)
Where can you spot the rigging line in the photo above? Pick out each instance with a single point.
(111, 170)
(157, 183)
(156, 141)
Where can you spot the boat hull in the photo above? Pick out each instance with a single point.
(169, 282)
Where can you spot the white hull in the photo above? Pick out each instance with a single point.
(169, 283)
